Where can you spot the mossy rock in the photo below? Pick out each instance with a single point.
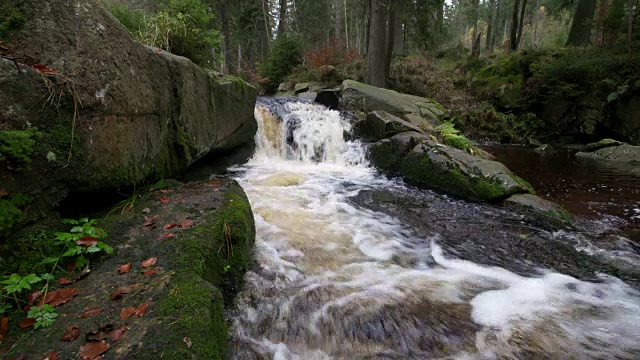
(200, 267)
(442, 168)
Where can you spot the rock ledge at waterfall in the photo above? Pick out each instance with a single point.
(200, 267)
(407, 148)
(109, 113)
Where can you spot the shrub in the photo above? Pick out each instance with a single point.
(133, 20)
(183, 27)
(10, 19)
(286, 54)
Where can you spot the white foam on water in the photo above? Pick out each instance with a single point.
(311, 239)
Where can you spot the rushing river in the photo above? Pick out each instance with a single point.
(352, 265)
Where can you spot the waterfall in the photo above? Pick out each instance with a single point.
(338, 278)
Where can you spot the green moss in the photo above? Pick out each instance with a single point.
(196, 311)
(209, 261)
(525, 183)
(10, 20)
(12, 211)
(18, 146)
(421, 172)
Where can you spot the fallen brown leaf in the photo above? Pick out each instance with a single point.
(92, 312)
(104, 332)
(118, 334)
(31, 298)
(91, 350)
(52, 355)
(72, 333)
(150, 272)
(3, 193)
(22, 356)
(124, 268)
(59, 297)
(4, 327)
(166, 236)
(65, 281)
(149, 262)
(148, 224)
(165, 191)
(87, 241)
(146, 210)
(169, 226)
(186, 223)
(123, 290)
(164, 200)
(141, 309)
(127, 312)
(27, 322)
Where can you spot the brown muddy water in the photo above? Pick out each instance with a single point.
(592, 190)
(353, 265)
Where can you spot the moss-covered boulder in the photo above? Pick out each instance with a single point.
(365, 98)
(431, 165)
(201, 262)
(625, 153)
(105, 111)
(380, 124)
(538, 207)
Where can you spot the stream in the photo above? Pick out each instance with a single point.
(353, 265)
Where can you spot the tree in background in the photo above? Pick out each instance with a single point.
(580, 33)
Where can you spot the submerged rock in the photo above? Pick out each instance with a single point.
(366, 98)
(380, 124)
(435, 166)
(604, 143)
(624, 153)
(537, 206)
(127, 112)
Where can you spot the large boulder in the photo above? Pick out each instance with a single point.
(538, 207)
(624, 153)
(428, 164)
(366, 98)
(111, 112)
(380, 124)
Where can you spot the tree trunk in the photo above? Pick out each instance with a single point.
(580, 32)
(227, 46)
(492, 7)
(339, 7)
(398, 42)
(475, 47)
(521, 23)
(367, 33)
(513, 40)
(391, 28)
(376, 58)
(282, 20)
(497, 28)
(440, 22)
(267, 27)
(630, 16)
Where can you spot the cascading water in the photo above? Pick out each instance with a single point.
(337, 279)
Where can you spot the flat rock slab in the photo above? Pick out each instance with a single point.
(202, 235)
(624, 153)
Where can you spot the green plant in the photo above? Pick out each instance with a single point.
(286, 54)
(10, 19)
(45, 315)
(133, 20)
(451, 136)
(15, 284)
(18, 146)
(83, 239)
